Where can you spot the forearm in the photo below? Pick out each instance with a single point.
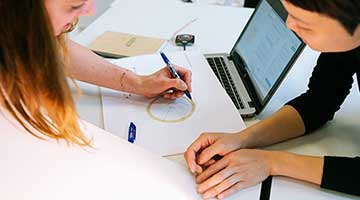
(86, 66)
(282, 125)
(306, 168)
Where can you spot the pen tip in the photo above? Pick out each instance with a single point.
(189, 96)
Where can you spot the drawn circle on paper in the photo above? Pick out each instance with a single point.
(169, 110)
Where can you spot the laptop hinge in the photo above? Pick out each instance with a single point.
(240, 66)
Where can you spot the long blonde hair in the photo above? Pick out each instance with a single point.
(33, 84)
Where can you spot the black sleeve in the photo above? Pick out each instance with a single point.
(341, 174)
(329, 85)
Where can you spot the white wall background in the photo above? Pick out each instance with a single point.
(101, 6)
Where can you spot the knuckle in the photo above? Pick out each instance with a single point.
(187, 154)
(242, 185)
(246, 175)
(216, 190)
(227, 172)
(229, 158)
(204, 135)
(222, 176)
(222, 146)
(238, 187)
(227, 182)
(218, 177)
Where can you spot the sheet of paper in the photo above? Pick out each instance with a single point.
(168, 127)
(282, 188)
(34, 169)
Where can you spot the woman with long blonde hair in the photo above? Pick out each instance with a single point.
(36, 57)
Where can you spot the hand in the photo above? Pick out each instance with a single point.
(161, 81)
(235, 171)
(201, 152)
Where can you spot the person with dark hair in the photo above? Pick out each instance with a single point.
(331, 27)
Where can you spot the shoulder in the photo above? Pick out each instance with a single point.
(346, 63)
(351, 57)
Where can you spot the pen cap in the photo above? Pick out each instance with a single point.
(132, 132)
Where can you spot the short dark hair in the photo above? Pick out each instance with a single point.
(347, 12)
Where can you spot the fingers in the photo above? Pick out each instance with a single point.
(190, 157)
(236, 171)
(185, 75)
(226, 185)
(210, 171)
(214, 180)
(233, 189)
(208, 163)
(168, 96)
(177, 84)
(180, 85)
(199, 144)
(209, 153)
(162, 81)
(226, 182)
(173, 95)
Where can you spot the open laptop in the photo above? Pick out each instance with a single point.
(259, 60)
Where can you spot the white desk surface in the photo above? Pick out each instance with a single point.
(216, 28)
(339, 137)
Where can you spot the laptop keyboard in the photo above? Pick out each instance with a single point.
(218, 65)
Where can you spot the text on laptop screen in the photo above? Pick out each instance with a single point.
(266, 48)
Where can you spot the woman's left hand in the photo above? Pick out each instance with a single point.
(235, 171)
(161, 81)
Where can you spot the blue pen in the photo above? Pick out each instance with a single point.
(132, 132)
(173, 72)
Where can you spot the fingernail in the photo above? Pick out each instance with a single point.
(182, 85)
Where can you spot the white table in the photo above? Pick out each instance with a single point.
(216, 28)
(340, 137)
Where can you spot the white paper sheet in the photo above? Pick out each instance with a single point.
(285, 188)
(214, 110)
(34, 169)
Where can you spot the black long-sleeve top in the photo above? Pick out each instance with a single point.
(329, 85)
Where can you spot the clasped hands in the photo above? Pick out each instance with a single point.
(237, 168)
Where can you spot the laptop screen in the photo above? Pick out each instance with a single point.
(267, 46)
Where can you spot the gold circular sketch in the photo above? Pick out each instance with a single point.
(170, 111)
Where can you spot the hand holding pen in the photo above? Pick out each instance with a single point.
(174, 74)
(160, 82)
